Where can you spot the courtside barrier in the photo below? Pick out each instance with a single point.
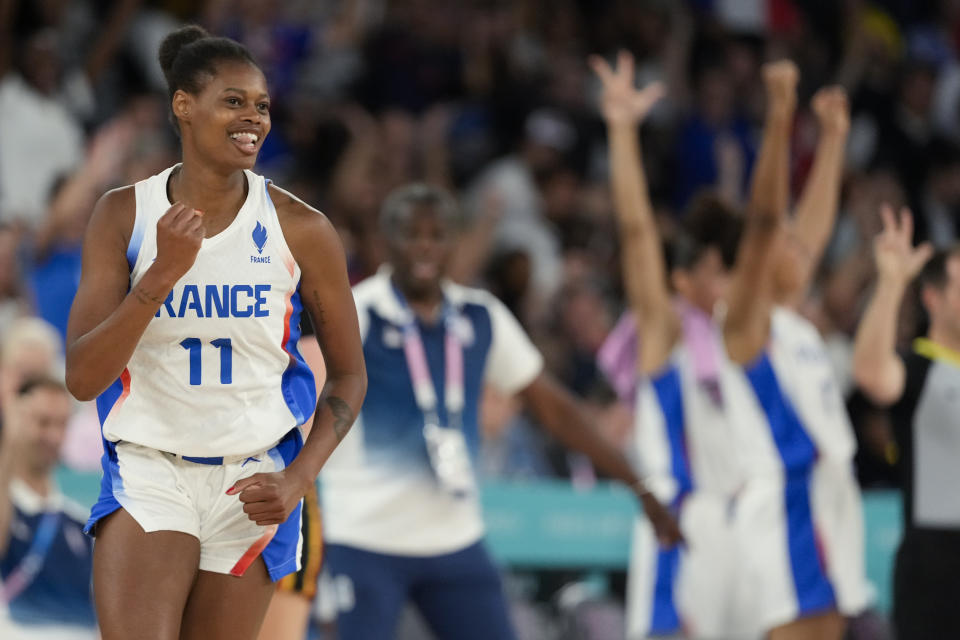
(547, 524)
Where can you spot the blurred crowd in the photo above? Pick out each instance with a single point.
(494, 100)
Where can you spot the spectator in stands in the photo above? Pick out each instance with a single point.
(517, 181)
(42, 139)
(45, 560)
(713, 138)
(46, 94)
(30, 348)
(12, 303)
(940, 199)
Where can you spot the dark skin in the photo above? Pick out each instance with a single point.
(147, 585)
(419, 250)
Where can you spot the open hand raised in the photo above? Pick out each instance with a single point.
(897, 260)
(622, 102)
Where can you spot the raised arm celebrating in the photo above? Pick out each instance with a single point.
(751, 290)
(644, 269)
(817, 209)
(877, 368)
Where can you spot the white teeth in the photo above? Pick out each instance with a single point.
(251, 137)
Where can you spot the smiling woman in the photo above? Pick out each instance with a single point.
(185, 329)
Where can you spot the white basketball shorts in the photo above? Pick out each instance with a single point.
(166, 492)
(690, 591)
(801, 545)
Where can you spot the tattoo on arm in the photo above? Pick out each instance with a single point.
(342, 416)
(320, 319)
(144, 296)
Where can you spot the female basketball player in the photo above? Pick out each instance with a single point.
(185, 325)
(798, 516)
(684, 437)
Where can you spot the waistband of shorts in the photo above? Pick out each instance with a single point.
(212, 460)
(221, 460)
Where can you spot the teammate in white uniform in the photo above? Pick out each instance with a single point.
(685, 442)
(401, 507)
(798, 518)
(185, 325)
(682, 441)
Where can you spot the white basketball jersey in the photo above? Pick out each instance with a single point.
(217, 371)
(786, 407)
(682, 435)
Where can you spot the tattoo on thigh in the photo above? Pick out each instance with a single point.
(342, 416)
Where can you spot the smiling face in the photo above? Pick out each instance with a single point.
(420, 246)
(227, 121)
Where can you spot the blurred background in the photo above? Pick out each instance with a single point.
(493, 99)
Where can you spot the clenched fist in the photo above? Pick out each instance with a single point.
(780, 79)
(180, 232)
(832, 109)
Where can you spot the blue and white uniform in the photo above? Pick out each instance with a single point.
(215, 390)
(393, 532)
(799, 517)
(46, 570)
(686, 453)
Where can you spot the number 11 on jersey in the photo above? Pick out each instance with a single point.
(193, 345)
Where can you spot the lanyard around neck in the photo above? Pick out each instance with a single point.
(423, 388)
(26, 571)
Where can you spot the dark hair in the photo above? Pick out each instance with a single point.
(33, 383)
(709, 224)
(934, 273)
(189, 54)
(417, 194)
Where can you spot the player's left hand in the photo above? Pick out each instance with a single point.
(269, 498)
(832, 109)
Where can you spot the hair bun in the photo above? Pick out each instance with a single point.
(174, 42)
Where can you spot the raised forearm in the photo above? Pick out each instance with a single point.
(817, 208)
(64, 209)
(643, 265)
(876, 336)
(629, 182)
(769, 191)
(97, 358)
(751, 291)
(876, 365)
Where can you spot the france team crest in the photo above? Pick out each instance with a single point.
(259, 237)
